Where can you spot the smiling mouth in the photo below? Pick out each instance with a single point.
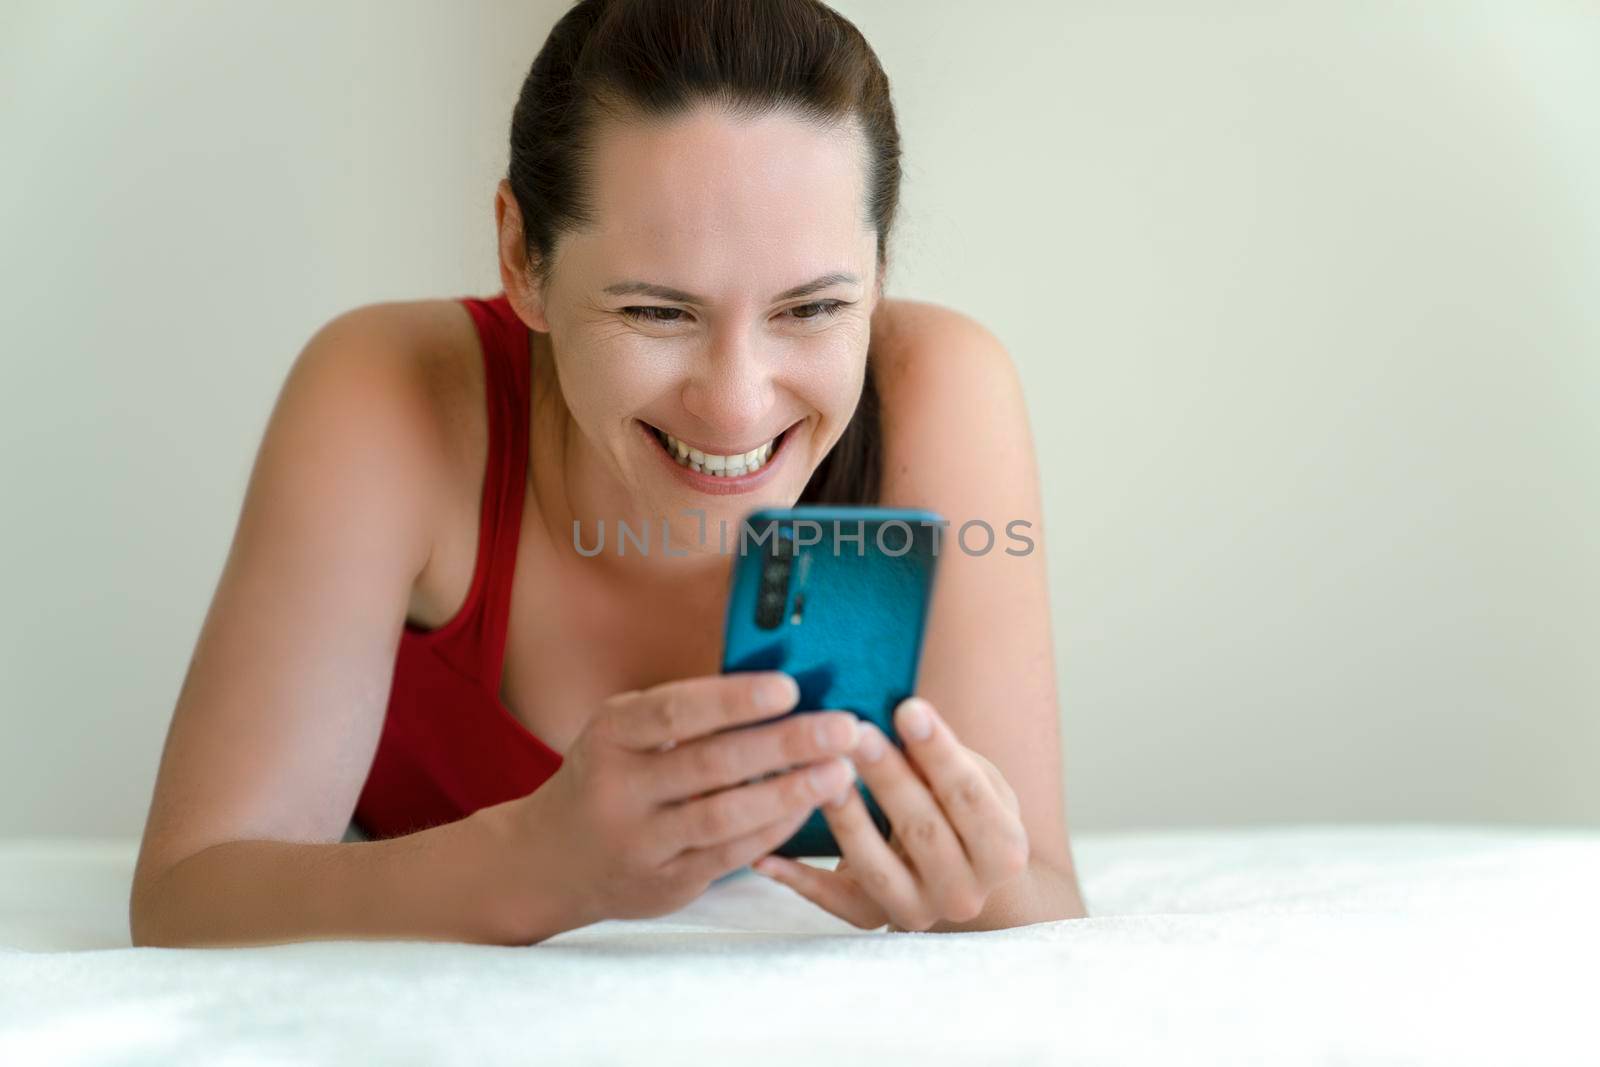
(713, 464)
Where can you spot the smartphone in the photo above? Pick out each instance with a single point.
(838, 598)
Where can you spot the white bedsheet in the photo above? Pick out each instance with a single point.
(1305, 945)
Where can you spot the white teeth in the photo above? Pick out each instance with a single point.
(715, 465)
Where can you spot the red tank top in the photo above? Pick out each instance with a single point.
(449, 746)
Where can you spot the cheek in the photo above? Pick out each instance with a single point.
(830, 383)
(604, 387)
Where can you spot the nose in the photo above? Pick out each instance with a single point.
(730, 391)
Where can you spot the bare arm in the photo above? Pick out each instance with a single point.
(280, 712)
(447, 883)
(988, 664)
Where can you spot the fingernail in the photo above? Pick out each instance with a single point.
(870, 747)
(915, 722)
(831, 777)
(778, 692)
(837, 733)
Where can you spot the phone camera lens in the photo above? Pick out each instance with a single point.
(773, 595)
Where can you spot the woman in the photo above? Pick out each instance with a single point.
(693, 239)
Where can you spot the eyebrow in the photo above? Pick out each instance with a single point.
(666, 292)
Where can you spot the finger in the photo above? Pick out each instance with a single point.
(948, 882)
(723, 816)
(830, 890)
(1002, 787)
(882, 875)
(739, 756)
(671, 713)
(707, 864)
(989, 831)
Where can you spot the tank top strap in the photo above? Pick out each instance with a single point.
(507, 388)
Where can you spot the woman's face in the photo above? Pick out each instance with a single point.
(710, 332)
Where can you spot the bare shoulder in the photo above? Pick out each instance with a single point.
(414, 361)
(410, 375)
(936, 367)
(424, 346)
(919, 339)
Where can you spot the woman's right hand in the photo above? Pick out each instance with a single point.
(660, 795)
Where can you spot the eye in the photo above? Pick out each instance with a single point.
(819, 309)
(653, 314)
(664, 315)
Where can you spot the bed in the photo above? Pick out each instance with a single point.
(1293, 945)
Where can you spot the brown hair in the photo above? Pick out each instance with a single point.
(658, 59)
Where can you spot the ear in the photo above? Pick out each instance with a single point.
(515, 276)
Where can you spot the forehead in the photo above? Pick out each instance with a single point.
(720, 202)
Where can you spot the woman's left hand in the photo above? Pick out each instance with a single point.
(957, 832)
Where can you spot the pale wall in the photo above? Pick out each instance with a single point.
(1304, 296)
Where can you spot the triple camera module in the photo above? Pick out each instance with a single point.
(772, 598)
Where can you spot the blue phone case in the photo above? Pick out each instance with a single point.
(847, 623)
